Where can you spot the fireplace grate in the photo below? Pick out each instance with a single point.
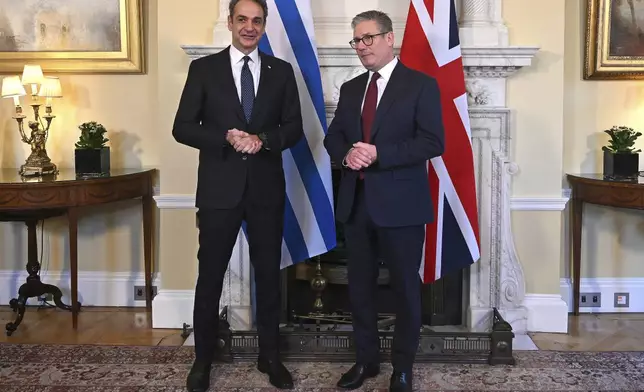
(315, 344)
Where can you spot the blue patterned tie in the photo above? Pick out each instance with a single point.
(247, 89)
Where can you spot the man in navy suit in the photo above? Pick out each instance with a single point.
(240, 108)
(387, 125)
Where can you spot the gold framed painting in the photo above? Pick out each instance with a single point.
(614, 47)
(72, 36)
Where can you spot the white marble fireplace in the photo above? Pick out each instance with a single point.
(497, 280)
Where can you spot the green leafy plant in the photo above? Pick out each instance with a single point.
(92, 136)
(622, 139)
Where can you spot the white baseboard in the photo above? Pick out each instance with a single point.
(546, 313)
(607, 287)
(95, 288)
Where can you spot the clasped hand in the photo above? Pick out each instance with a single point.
(362, 155)
(243, 142)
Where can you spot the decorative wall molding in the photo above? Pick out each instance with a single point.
(95, 288)
(538, 203)
(607, 287)
(174, 201)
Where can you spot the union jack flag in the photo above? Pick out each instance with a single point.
(431, 45)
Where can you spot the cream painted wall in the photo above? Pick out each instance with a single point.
(535, 94)
(178, 237)
(110, 237)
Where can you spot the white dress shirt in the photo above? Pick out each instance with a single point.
(385, 74)
(237, 62)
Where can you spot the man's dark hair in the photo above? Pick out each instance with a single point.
(382, 20)
(261, 3)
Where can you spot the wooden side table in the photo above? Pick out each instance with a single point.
(595, 188)
(36, 198)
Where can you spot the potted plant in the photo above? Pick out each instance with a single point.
(620, 158)
(92, 156)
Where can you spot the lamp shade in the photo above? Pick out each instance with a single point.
(12, 87)
(51, 88)
(32, 74)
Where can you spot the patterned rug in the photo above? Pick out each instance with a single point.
(56, 368)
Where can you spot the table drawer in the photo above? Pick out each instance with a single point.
(109, 192)
(611, 196)
(35, 198)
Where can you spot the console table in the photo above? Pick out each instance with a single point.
(594, 188)
(30, 199)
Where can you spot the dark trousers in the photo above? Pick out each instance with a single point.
(401, 248)
(218, 230)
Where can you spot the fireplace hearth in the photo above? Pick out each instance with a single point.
(442, 301)
(333, 343)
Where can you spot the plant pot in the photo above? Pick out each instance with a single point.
(621, 165)
(92, 162)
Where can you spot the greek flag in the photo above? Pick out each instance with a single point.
(309, 223)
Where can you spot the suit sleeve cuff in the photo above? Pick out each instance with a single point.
(344, 160)
(263, 136)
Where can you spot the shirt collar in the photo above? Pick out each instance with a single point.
(236, 55)
(386, 71)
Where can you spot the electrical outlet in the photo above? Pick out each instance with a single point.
(139, 292)
(621, 300)
(590, 300)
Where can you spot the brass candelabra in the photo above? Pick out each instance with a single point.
(38, 163)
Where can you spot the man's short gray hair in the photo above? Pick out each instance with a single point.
(382, 19)
(261, 3)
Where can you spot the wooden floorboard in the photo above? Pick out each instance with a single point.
(133, 326)
(112, 326)
(597, 332)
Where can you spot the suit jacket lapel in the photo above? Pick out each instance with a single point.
(229, 84)
(395, 87)
(361, 89)
(263, 91)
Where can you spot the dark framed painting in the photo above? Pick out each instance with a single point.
(79, 36)
(614, 46)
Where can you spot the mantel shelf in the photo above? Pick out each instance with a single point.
(477, 60)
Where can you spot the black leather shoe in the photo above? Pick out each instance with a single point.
(199, 377)
(357, 374)
(278, 375)
(400, 382)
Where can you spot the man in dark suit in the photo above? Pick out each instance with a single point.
(387, 125)
(240, 108)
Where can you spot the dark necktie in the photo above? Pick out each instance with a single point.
(369, 110)
(247, 90)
